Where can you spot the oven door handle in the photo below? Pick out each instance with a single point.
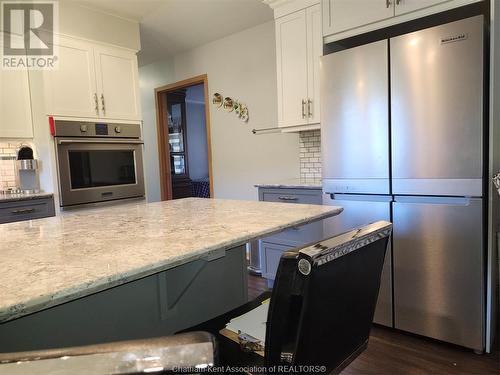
(116, 141)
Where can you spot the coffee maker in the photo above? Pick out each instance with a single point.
(27, 171)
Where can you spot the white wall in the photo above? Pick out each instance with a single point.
(92, 24)
(150, 77)
(243, 66)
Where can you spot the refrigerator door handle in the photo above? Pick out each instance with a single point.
(360, 198)
(450, 201)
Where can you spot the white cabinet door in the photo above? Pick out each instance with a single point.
(71, 88)
(342, 15)
(15, 103)
(314, 52)
(406, 6)
(117, 83)
(291, 58)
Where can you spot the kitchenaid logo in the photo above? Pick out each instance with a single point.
(29, 32)
(454, 38)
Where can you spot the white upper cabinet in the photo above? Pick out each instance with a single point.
(298, 49)
(406, 6)
(70, 90)
(314, 52)
(93, 81)
(346, 18)
(117, 83)
(341, 15)
(291, 59)
(15, 103)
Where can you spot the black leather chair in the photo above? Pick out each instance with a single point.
(157, 355)
(322, 304)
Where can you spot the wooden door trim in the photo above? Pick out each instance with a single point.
(161, 120)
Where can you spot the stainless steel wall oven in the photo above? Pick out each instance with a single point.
(98, 162)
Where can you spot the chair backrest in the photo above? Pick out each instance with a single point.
(154, 355)
(324, 299)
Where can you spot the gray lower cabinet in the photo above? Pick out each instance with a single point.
(273, 246)
(28, 209)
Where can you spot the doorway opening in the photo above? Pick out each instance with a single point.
(184, 145)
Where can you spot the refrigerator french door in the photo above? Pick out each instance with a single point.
(360, 210)
(437, 110)
(355, 135)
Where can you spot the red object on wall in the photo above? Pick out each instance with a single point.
(52, 126)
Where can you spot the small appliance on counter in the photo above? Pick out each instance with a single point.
(27, 171)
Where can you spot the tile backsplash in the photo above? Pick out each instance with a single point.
(310, 154)
(7, 164)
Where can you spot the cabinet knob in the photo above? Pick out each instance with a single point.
(388, 3)
(83, 128)
(118, 129)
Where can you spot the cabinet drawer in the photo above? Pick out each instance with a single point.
(26, 210)
(304, 196)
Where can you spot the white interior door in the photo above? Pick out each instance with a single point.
(314, 52)
(71, 88)
(117, 83)
(291, 58)
(349, 14)
(406, 6)
(15, 103)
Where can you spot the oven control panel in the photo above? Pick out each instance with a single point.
(92, 129)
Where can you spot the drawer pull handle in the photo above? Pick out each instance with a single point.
(287, 198)
(24, 211)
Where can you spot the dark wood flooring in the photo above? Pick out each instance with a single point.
(392, 352)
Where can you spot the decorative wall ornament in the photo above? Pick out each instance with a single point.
(230, 105)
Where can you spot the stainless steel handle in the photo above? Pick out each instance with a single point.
(287, 198)
(99, 141)
(388, 3)
(24, 211)
(309, 106)
(102, 104)
(96, 104)
(303, 108)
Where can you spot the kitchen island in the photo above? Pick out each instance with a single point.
(131, 271)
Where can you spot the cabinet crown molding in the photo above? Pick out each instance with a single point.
(284, 7)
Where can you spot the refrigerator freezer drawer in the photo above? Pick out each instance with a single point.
(437, 105)
(355, 115)
(360, 210)
(438, 268)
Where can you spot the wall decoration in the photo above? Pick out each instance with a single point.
(217, 99)
(230, 105)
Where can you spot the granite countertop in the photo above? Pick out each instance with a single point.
(50, 261)
(23, 197)
(292, 183)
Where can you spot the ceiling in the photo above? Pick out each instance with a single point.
(171, 26)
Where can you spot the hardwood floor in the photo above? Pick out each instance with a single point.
(392, 352)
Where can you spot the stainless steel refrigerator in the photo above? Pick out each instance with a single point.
(402, 140)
